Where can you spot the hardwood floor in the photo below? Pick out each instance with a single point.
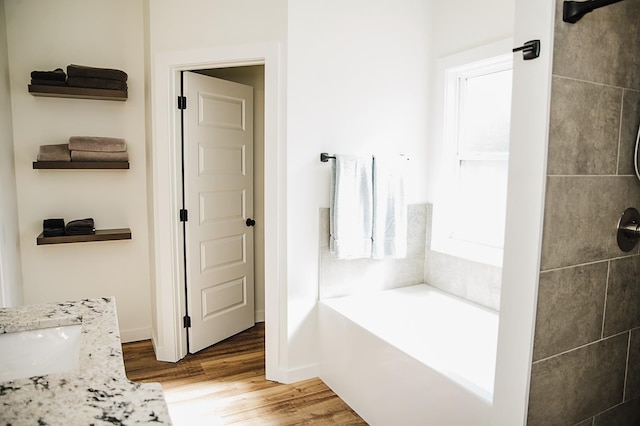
(225, 385)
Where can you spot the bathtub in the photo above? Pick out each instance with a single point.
(410, 356)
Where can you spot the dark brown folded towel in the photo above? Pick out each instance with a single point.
(80, 227)
(52, 227)
(93, 72)
(56, 75)
(96, 83)
(99, 156)
(58, 152)
(97, 143)
(37, 82)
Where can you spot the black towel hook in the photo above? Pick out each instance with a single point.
(530, 50)
(324, 157)
(573, 11)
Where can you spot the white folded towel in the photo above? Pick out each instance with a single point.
(351, 209)
(389, 208)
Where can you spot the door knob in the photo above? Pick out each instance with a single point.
(250, 222)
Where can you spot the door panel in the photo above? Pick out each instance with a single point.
(222, 252)
(222, 159)
(219, 194)
(219, 299)
(220, 206)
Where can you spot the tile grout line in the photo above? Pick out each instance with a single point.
(606, 292)
(581, 347)
(591, 175)
(620, 132)
(594, 82)
(626, 369)
(594, 262)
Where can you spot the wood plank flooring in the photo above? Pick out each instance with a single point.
(225, 385)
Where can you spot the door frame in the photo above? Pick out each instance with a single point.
(168, 299)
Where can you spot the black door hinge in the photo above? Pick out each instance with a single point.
(184, 215)
(182, 102)
(186, 321)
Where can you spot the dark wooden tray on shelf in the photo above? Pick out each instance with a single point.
(77, 92)
(80, 164)
(100, 235)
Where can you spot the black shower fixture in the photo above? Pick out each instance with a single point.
(573, 11)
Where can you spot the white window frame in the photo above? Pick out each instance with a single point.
(450, 70)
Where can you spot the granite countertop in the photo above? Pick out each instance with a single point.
(98, 392)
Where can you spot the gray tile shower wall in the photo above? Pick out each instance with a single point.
(592, 378)
(626, 414)
(570, 308)
(580, 218)
(584, 122)
(345, 277)
(602, 48)
(586, 356)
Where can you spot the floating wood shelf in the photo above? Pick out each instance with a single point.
(77, 92)
(80, 164)
(100, 235)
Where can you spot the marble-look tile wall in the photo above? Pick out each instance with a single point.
(586, 356)
(464, 278)
(345, 277)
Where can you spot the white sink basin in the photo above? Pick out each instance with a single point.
(38, 352)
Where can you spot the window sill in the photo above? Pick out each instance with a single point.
(474, 252)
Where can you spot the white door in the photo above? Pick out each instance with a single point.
(218, 155)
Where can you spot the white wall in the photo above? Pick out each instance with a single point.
(464, 24)
(358, 76)
(10, 269)
(194, 24)
(42, 36)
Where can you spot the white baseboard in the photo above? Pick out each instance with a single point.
(135, 334)
(259, 316)
(300, 374)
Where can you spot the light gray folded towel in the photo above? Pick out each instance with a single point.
(97, 143)
(99, 156)
(58, 152)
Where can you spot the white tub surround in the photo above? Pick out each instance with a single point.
(411, 356)
(98, 391)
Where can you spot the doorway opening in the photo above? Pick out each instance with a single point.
(222, 132)
(168, 301)
(253, 75)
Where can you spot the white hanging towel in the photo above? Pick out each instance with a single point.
(389, 208)
(351, 209)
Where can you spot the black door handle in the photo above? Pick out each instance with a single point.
(250, 222)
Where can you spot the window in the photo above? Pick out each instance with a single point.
(475, 102)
